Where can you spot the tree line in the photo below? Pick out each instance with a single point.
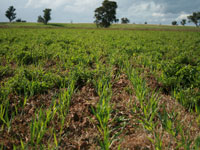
(104, 15)
(194, 18)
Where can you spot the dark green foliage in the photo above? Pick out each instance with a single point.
(28, 82)
(174, 23)
(106, 14)
(10, 13)
(27, 58)
(5, 71)
(47, 15)
(40, 19)
(181, 72)
(19, 20)
(189, 98)
(125, 20)
(183, 22)
(195, 18)
(197, 143)
(181, 77)
(48, 42)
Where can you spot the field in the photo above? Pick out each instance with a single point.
(86, 88)
(93, 26)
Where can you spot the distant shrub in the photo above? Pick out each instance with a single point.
(174, 23)
(125, 20)
(19, 20)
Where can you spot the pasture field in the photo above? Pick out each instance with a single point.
(99, 89)
(93, 26)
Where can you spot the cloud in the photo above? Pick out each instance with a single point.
(66, 10)
(158, 15)
(178, 6)
(182, 16)
(83, 6)
(47, 3)
(153, 11)
(157, 11)
(54, 4)
(36, 3)
(142, 10)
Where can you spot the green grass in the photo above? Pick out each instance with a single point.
(91, 25)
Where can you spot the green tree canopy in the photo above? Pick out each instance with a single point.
(47, 15)
(40, 19)
(174, 23)
(125, 20)
(183, 22)
(10, 13)
(195, 18)
(106, 14)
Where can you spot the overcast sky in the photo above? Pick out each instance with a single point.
(82, 11)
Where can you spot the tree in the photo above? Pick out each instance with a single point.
(145, 22)
(19, 20)
(117, 20)
(47, 15)
(174, 23)
(10, 13)
(195, 18)
(125, 20)
(106, 14)
(40, 19)
(183, 22)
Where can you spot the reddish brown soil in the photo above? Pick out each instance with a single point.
(80, 128)
(20, 125)
(81, 132)
(133, 135)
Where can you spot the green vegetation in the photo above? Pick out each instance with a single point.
(99, 89)
(183, 22)
(125, 20)
(195, 18)
(93, 26)
(106, 14)
(46, 18)
(174, 23)
(10, 13)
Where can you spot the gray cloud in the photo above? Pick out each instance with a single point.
(138, 11)
(177, 6)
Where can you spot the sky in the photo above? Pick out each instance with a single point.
(82, 11)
